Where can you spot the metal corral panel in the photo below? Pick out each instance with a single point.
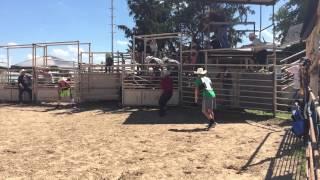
(132, 97)
(100, 95)
(100, 87)
(146, 97)
(51, 95)
(10, 94)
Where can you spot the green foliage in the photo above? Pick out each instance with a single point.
(291, 13)
(187, 16)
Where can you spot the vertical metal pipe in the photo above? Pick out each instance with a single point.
(34, 73)
(78, 82)
(112, 28)
(44, 57)
(118, 54)
(8, 64)
(133, 49)
(274, 67)
(260, 22)
(180, 72)
(144, 50)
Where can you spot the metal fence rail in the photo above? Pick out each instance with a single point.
(243, 88)
(141, 84)
(312, 150)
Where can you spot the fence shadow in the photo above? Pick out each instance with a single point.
(178, 115)
(289, 162)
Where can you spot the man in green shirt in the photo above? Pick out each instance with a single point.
(204, 84)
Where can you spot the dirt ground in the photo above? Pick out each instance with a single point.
(104, 142)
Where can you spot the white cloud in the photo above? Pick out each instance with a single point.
(74, 50)
(61, 53)
(122, 43)
(12, 43)
(29, 56)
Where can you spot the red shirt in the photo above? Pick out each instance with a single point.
(167, 84)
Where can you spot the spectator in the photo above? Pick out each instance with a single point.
(64, 90)
(260, 53)
(109, 63)
(24, 82)
(167, 90)
(295, 71)
(204, 84)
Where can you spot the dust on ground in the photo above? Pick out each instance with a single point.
(105, 142)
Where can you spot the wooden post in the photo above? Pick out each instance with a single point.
(312, 51)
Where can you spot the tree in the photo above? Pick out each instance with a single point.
(291, 13)
(187, 16)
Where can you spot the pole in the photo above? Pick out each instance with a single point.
(112, 28)
(260, 22)
(274, 67)
(133, 49)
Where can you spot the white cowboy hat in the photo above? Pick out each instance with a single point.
(166, 73)
(200, 71)
(22, 71)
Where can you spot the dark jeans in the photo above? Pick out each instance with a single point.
(164, 98)
(261, 57)
(21, 90)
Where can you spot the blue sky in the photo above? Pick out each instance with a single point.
(28, 21)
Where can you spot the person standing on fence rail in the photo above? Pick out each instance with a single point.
(295, 71)
(204, 84)
(64, 90)
(109, 63)
(166, 85)
(24, 82)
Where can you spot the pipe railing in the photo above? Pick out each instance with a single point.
(312, 149)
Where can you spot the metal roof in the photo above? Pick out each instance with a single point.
(262, 2)
(52, 61)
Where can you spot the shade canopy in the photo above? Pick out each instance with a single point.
(51, 61)
(262, 2)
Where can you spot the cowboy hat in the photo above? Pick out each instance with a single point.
(165, 73)
(22, 71)
(200, 71)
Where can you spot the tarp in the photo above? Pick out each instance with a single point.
(52, 61)
(293, 34)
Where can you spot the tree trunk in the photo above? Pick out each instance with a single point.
(312, 49)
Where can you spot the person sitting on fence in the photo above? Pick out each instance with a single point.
(166, 85)
(24, 82)
(259, 52)
(295, 71)
(109, 63)
(204, 84)
(64, 90)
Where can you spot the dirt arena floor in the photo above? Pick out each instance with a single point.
(104, 142)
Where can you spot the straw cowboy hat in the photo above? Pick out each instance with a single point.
(200, 71)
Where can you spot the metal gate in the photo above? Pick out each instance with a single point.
(236, 85)
(141, 84)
